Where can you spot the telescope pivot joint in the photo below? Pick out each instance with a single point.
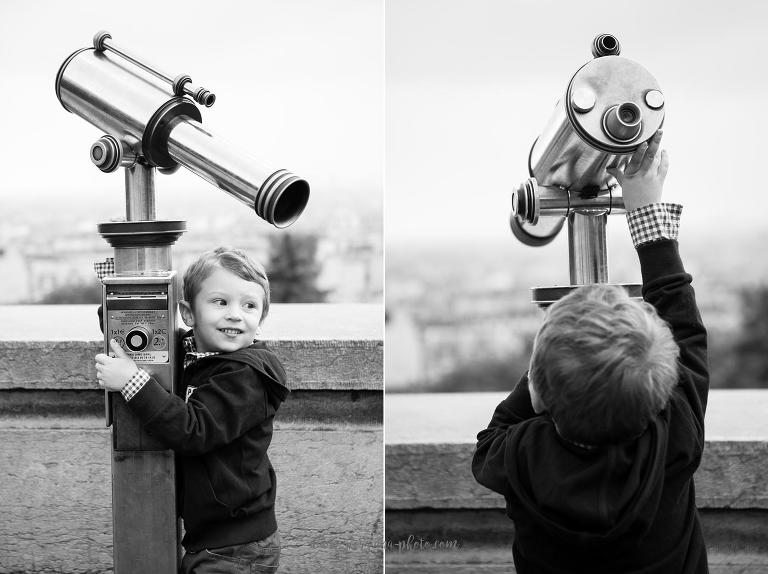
(525, 201)
(107, 153)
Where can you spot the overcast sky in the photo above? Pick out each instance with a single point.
(470, 85)
(299, 85)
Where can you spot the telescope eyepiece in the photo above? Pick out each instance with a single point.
(205, 97)
(605, 45)
(623, 123)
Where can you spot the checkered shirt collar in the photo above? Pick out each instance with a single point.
(105, 268)
(191, 355)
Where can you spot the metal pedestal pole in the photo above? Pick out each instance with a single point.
(587, 257)
(140, 301)
(587, 253)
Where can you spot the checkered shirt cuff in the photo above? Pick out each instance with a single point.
(104, 268)
(653, 222)
(134, 384)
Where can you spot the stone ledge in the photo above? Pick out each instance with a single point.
(430, 437)
(85, 409)
(731, 476)
(323, 347)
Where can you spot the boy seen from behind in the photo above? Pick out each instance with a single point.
(222, 429)
(595, 448)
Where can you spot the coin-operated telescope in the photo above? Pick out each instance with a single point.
(152, 122)
(610, 107)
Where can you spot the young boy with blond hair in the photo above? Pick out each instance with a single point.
(222, 429)
(595, 448)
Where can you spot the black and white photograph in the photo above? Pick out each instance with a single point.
(367, 286)
(498, 201)
(191, 253)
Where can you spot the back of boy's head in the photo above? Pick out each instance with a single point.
(231, 259)
(603, 365)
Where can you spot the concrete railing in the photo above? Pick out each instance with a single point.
(55, 493)
(440, 520)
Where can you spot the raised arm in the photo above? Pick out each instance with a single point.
(654, 228)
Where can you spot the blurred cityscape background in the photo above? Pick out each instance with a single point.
(47, 255)
(459, 317)
(469, 88)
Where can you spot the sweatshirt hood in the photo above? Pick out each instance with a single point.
(265, 363)
(587, 496)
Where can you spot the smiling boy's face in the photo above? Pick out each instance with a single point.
(225, 313)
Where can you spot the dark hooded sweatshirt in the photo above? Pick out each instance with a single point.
(221, 433)
(625, 507)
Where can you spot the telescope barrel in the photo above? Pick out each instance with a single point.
(163, 130)
(277, 197)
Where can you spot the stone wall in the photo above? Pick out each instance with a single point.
(55, 489)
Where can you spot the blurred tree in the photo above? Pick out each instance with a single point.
(293, 269)
(482, 375)
(78, 293)
(750, 350)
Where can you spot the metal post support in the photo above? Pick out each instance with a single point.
(140, 312)
(587, 253)
(140, 193)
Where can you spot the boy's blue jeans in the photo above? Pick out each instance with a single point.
(251, 558)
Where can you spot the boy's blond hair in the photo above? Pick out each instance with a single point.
(603, 365)
(231, 259)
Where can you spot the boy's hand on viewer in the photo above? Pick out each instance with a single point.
(114, 373)
(642, 180)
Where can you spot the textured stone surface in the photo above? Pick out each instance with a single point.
(311, 365)
(56, 497)
(731, 475)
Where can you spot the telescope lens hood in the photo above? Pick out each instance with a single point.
(282, 198)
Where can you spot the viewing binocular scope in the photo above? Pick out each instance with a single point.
(610, 107)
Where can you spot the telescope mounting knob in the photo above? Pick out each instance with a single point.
(105, 154)
(98, 40)
(525, 201)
